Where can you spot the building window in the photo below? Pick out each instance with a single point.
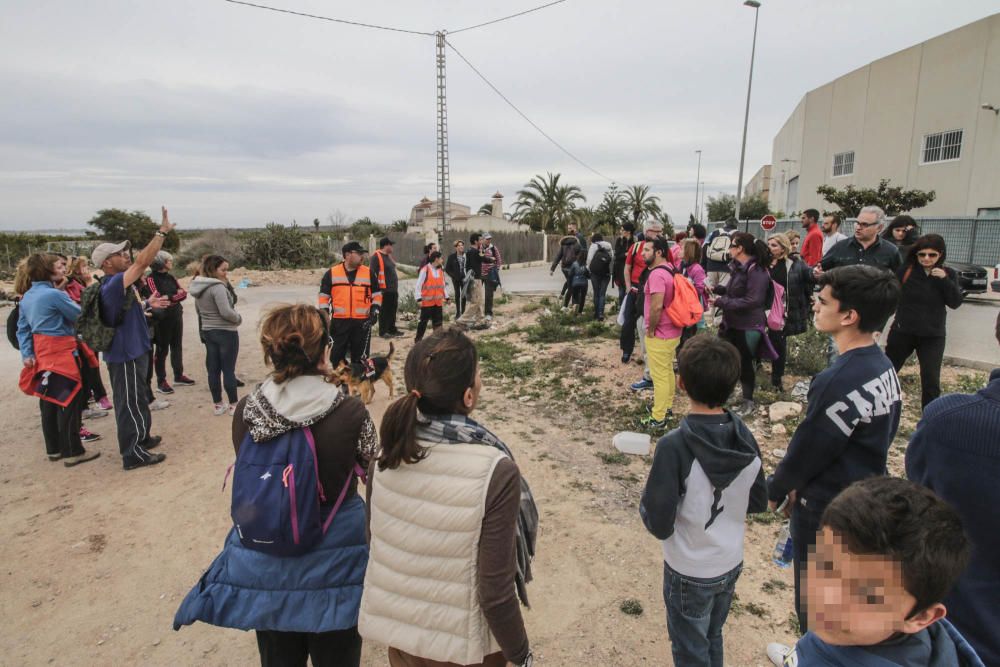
(942, 147)
(792, 195)
(843, 164)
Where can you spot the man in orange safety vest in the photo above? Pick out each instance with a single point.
(353, 302)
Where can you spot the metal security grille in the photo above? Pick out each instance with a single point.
(943, 146)
(843, 164)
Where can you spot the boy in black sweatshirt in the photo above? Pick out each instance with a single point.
(853, 407)
(706, 476)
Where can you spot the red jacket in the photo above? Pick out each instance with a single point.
(812, 246)
(55, 377)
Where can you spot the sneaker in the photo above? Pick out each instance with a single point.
(397, 334)
(55, 457)
(626, 356)
(164, 387)
(641, 385)
(183, 381)
(146, 459)
(219, 409)
(90, 413)
(746, 409)
(87, 436)
(231, 410)
(777, 653)
(240, 383)
(105, 403)
(71, 461)
(151, 442)
(159, 404)
(655, 424)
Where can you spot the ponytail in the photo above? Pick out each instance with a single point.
(398, 433)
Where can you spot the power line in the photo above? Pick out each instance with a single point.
(512, 16)
(522, 115)
(332, 20)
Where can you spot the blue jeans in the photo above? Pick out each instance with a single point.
(221, 349)
(600, 284)
(696, 611)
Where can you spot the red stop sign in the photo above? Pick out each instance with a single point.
(768, 222)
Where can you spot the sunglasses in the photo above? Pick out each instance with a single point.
(929, 255)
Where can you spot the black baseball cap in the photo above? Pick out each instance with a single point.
(384, 241)
(352, 246)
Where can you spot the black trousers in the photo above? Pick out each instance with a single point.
(432, 314)
(132, 417)
(339, 648)
(348, 336)
(459, 297)
(780, 342)
(748, 370)
(804, 526)
(61, 426)
(387, 314)
(627, 338)
(930, 353)
(93, 385)
(167, 336)
(490, 287)
(579, 297)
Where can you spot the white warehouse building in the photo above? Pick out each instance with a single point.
(926, 118)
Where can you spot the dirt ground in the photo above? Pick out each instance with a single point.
(96, 560)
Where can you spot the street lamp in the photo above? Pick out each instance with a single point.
(696, 181)
(746, 116)
(701, 206)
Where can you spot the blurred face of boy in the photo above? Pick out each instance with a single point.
(859, 599)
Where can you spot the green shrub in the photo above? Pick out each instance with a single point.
(496, 357)
(632, 607)
(213, 242)
(807, 353)
(280, 247)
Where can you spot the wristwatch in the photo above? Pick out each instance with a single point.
(161, 233)
(528, 661)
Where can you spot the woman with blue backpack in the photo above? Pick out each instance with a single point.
(293, 566)
(452, 523)
(796, 280)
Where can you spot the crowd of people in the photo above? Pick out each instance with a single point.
(438, 571)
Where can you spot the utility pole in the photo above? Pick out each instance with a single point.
(755, 5)
(443, 180)
(701, 216)
(697, 180)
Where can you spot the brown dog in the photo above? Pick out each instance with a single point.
(360, 378)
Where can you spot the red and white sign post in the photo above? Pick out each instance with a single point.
(768, 222)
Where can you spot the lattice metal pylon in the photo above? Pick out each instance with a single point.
(443, 179)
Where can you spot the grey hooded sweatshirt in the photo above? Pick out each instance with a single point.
(215, 304)
(706, 476)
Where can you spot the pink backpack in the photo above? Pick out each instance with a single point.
(776, 314)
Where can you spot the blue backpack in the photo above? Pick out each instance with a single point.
(277, 494)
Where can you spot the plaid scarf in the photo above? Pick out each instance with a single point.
(454, 428)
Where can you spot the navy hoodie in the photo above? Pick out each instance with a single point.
(851, 418)
(706, 475)
(955, 452)
(939, 645)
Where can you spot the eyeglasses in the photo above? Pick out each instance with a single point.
(929, 255)
(866, 225)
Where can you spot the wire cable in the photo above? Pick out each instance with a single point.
(512, 16)
(522, 115)
(327, 18)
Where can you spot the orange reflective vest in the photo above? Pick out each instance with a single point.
(347, 300)
(381, 269)
(432, 289)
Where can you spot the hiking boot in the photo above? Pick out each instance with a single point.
(90, 413)
(71, 461)
(87, 436)
(219, 409)
(777, 653)
(105, 403)
(146, 460)
(626, 356)
(654, 424)
(641, 385)
(151, 442)
(746, 409)
(159, 405)
(183, 381)
(164, 387)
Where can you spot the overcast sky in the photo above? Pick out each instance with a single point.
(235, 116)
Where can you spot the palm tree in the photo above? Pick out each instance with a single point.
(640, 203)
(545, 205)
(612, 211)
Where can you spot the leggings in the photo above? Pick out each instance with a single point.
(745, 342)
(780, 342)
(930, 353)
(221, 349)
(167, 339)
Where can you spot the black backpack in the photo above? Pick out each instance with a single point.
(600, 265)
(15, 313)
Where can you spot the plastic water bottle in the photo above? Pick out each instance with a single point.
(783, 555)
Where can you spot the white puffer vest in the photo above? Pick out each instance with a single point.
(421, 590)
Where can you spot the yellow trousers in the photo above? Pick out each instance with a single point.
(660, 353)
